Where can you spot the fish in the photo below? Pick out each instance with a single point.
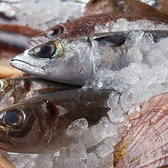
(39, 124)
(77, 60)
(81, 26)
(14, 90)
(124, 6)
(15, 37)
(145, 144)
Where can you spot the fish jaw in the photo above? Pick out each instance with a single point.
(71, 66)
(23, 62)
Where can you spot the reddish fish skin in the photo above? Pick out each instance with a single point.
(24, 30)
(82, 26)
(124, 6)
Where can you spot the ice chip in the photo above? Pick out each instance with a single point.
(92, 160)
(116, 115)
(113, 100)
(104, 150)
(74, 163)
(78, 126)
(78, 151)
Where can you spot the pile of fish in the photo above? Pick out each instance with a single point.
(55, 102)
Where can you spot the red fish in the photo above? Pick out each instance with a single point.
(81, 26)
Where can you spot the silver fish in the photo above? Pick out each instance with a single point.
(77, 60)
(14, 90)
(39, 125)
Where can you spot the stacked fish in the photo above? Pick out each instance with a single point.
(37, 115)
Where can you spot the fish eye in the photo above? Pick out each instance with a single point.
(54, 32)
(13, 118)
(46, 50)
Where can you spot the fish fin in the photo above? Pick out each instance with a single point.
(92, 115)
(46, 91)
(112, 40)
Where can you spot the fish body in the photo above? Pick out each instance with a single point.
(81, 26)
(40, 124)
(14, 90)
(124, 6)
(77, 60)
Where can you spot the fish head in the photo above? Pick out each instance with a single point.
(61, 60)
(25, 128)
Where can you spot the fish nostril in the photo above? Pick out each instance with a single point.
(43, 51)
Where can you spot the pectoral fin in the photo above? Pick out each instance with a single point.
(112, 40)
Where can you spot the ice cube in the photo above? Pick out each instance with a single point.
(78, 126)
(78, 151)
(92, 160)
(104, 150)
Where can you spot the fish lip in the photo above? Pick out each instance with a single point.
(17, 63)
(17, 60)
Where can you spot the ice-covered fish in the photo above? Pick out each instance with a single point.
(40, 124)
(14, 90)
(81, 26)
(77, 60)
(124, 6)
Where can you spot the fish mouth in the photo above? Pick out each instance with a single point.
(26, 67)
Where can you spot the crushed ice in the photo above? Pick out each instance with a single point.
(42, 14)
(146, 76)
